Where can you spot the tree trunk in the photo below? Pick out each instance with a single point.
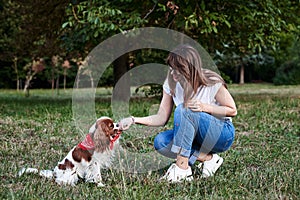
(120, 68)
(91, 79)
(57, 85)
(26, 88)
(18, 83)
(52, 80)
(77, 82)
(242, 73)
(27, 82)
(15, 66)
(121, 91)
(65, 78)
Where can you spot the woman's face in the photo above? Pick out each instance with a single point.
(175, 74)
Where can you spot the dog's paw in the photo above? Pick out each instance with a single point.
(100, 184)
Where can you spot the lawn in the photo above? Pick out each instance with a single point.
(263, 163)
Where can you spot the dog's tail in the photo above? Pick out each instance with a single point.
(44, 173)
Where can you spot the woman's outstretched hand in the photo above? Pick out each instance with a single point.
(125, 123)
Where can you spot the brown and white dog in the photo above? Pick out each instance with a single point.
(86, 159)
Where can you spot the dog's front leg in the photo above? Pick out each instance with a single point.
(93, 174)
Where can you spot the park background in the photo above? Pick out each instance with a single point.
(255, 45)
(44, 43)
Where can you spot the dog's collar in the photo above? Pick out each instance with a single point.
(87, 143)
(112, 140)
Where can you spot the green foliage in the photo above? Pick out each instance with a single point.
(151, 90)
(94, 21)
(107, 78)
(245, 26)
(240, 30)
(31, 28)
(289, 71)
(226, 78)
(259, 66)
(6, 76)
(288, 74)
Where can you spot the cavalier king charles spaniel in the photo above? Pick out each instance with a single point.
(86, 159)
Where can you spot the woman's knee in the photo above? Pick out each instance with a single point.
(158, 142)
(225, 140)
(163, 142)
(181, 112)
(223, 145)
(163, 139)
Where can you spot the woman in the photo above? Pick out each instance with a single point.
(202, 118)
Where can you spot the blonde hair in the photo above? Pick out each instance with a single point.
(187, 61)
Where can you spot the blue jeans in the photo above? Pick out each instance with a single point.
(195, 132)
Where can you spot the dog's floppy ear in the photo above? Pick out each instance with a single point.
(101, 135)
(106, 125)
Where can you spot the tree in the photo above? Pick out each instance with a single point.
(32, 68)
(235, 28)
(94, 21)
(288, 71)
(28, 33)
(66, 65)
(239, 28)
(9, 54)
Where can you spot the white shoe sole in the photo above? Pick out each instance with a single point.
(173, 175)
(210, 172)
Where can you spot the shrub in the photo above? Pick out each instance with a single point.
(288, 73)
(151, 90)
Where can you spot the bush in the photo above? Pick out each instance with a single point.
(151, 90)
(288, 73)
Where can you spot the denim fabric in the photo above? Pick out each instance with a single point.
(195, 132)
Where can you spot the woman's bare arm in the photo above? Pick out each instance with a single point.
(163, 114)
(227, 107)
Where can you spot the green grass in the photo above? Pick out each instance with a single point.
(263, 163)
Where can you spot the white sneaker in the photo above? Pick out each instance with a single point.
(211, 166)
(176, 175)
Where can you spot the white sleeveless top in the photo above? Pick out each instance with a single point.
(206, 94)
